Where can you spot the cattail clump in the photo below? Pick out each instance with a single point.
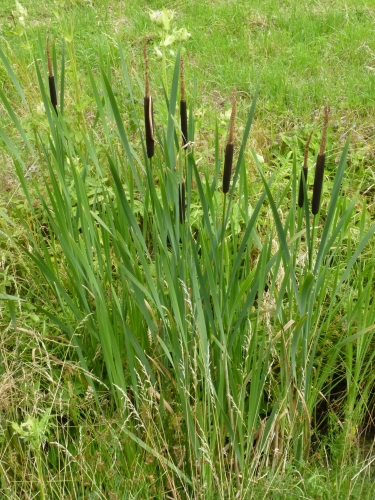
(304, 172)
(148, 111)
(228, 158)
(319, 169)
(51, 79)
(183, 112)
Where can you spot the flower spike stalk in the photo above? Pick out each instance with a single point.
(319, 169)
(228, 160)
(148, 110)
(51, 79)
(304, 172)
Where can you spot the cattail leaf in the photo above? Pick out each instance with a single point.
(302, 187)
(332, 206)
(363, 243)
(47, 107)
(171, 129)
(280, 232)
(149, 126)
(318, 183)
(13, 78)
(184, 123)
(228, 162)
(121, 130)
(181, 201)
(241, 153)
(62, 78)
(306, 289)
(245, 238)
(126, 73)
(100, 107)
(15, 119)
(52, 91)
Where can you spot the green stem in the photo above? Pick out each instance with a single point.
(40, 475)
(312, 243)
(221, 275)
(164, 62)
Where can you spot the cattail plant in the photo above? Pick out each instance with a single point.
(148, 110)
(51, 79)
(319, 169)
(304, 172)
(181, 201)
(183, 113)
(228, 160)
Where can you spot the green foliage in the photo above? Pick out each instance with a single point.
(210, 352)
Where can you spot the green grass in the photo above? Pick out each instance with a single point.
(227, 357)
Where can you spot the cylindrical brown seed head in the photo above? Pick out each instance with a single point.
(228, 161)
(149, 126)
(301, 195)
(181, 201)
(318, 183)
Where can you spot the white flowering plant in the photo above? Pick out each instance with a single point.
(163, 20)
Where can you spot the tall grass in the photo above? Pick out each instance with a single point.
(217, 336)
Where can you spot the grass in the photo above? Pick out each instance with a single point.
(224, 354)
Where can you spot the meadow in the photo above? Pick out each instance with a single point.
(186, 235)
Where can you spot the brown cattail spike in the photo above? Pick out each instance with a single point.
(181, 201)
(228, 159)
(304, 172)
(183, 112)
(51, 79)
(148, 111)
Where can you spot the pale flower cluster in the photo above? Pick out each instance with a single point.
(20, 13)
(163, 20)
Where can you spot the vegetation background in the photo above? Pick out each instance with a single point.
(257, 428)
